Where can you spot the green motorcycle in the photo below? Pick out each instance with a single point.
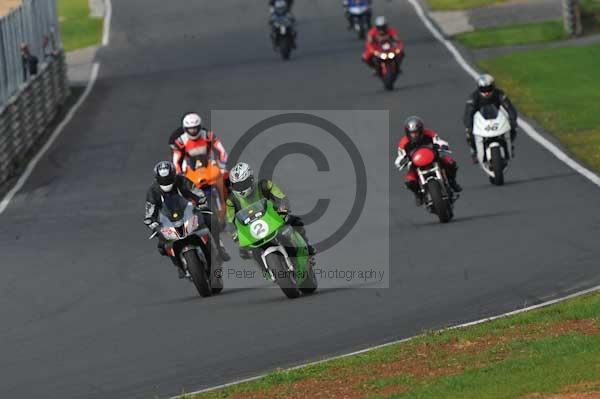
(279, 249)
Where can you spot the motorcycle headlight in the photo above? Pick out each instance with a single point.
(391, 55)
(383, 56)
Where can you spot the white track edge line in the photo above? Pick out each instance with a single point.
(372, 348)
(58, 130)
(34, 161)
(107, 20)
(527, 128)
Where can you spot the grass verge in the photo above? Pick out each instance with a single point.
(549, 351)
(77, 28)
(513, 35)
(560, 88)
(446, 5)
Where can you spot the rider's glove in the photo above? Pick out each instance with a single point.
(401, 163)
(283, 210)
(154, 226)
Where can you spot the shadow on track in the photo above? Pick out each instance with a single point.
(457, 219)
(510, 183)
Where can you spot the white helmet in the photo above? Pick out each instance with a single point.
(380, 23)
(485, 83)
(241, 177)
(192, 125)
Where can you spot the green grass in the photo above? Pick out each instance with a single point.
(513, 35)
(77, 28)
(461, 4)
(543, 352)
(560, 88)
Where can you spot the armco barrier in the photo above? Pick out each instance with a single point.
(25, 118)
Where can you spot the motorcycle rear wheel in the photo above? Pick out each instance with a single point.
(311, 283)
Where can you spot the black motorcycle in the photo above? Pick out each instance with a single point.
(283, 35)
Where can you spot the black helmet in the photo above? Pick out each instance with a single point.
(413, 128)
(164, 173)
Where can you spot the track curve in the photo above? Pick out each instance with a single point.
(88, 308)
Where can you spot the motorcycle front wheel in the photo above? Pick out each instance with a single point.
(198, 272)
(497, 167)
(441, 206)
(389, 78)
(283, 277)
(285, 47)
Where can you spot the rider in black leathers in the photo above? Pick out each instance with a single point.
(487, 93)
(167, 182)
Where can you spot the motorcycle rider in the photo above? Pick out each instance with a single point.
(245, 191)
(194, 139)
(168, 182)
(281, 9)
(377, 35)
(416, 135)
(487, 94)
(352, 3)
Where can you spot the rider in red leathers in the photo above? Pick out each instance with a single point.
(378, 34)
(416, 135)
(195, 140)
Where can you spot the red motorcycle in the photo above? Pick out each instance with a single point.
(433, 182)
(389, 56)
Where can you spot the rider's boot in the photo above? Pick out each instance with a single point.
(222, 251)
(451, 171)
(454, 185)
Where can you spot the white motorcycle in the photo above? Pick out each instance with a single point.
(491, 132)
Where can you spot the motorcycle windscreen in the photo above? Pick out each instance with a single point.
(489, 112)
(174, 206)
(251, 212)
(198, 161)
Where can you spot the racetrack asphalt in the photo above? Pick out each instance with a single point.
(89, 309)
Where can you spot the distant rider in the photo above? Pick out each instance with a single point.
(416, 135)
(168, 182)
(356, 3)
(245, 191)
(377, 35)
(487, 94)
(193, 139)
(281, 9)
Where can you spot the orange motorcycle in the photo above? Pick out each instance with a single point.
(207, 176)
